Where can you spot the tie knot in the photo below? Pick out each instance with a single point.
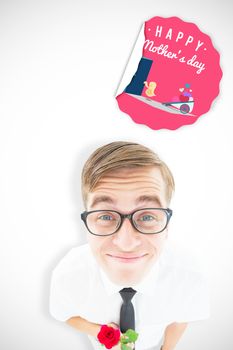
(127, 294)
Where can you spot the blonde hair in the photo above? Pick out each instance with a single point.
(118, 155)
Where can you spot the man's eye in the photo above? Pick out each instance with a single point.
(105, 217)
(147, 218)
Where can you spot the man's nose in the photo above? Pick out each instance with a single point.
(127, 238)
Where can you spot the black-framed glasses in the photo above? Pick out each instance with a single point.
(107, 222)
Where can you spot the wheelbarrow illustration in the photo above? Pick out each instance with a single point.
(184, 107)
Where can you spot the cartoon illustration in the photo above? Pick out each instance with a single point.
(184, 102)
(136, 85)
(186, 93)
(150, 88)
(185, 66)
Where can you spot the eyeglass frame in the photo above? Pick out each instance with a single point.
(84, 215)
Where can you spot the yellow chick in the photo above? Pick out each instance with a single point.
(150, 88)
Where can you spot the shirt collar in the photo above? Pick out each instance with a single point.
(147, 286)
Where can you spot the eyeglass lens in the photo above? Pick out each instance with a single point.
(145, 221)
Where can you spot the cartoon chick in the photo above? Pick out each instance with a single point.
(150, 88)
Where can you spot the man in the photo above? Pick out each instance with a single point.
(126, 190)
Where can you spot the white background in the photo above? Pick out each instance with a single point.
(60, 65)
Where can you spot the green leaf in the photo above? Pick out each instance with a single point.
(132, 335)
(124, 339)
(125, 347)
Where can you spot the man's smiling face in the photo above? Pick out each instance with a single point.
(127, 255)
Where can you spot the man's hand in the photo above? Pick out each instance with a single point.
(113, 325)
(93, 329)
(118, 347)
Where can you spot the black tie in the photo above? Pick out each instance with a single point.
(127, 320)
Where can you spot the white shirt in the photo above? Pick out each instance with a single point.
(173, 291)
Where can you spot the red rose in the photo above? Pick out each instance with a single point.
(109, 336)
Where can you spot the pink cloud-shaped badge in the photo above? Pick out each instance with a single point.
(172, 77)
